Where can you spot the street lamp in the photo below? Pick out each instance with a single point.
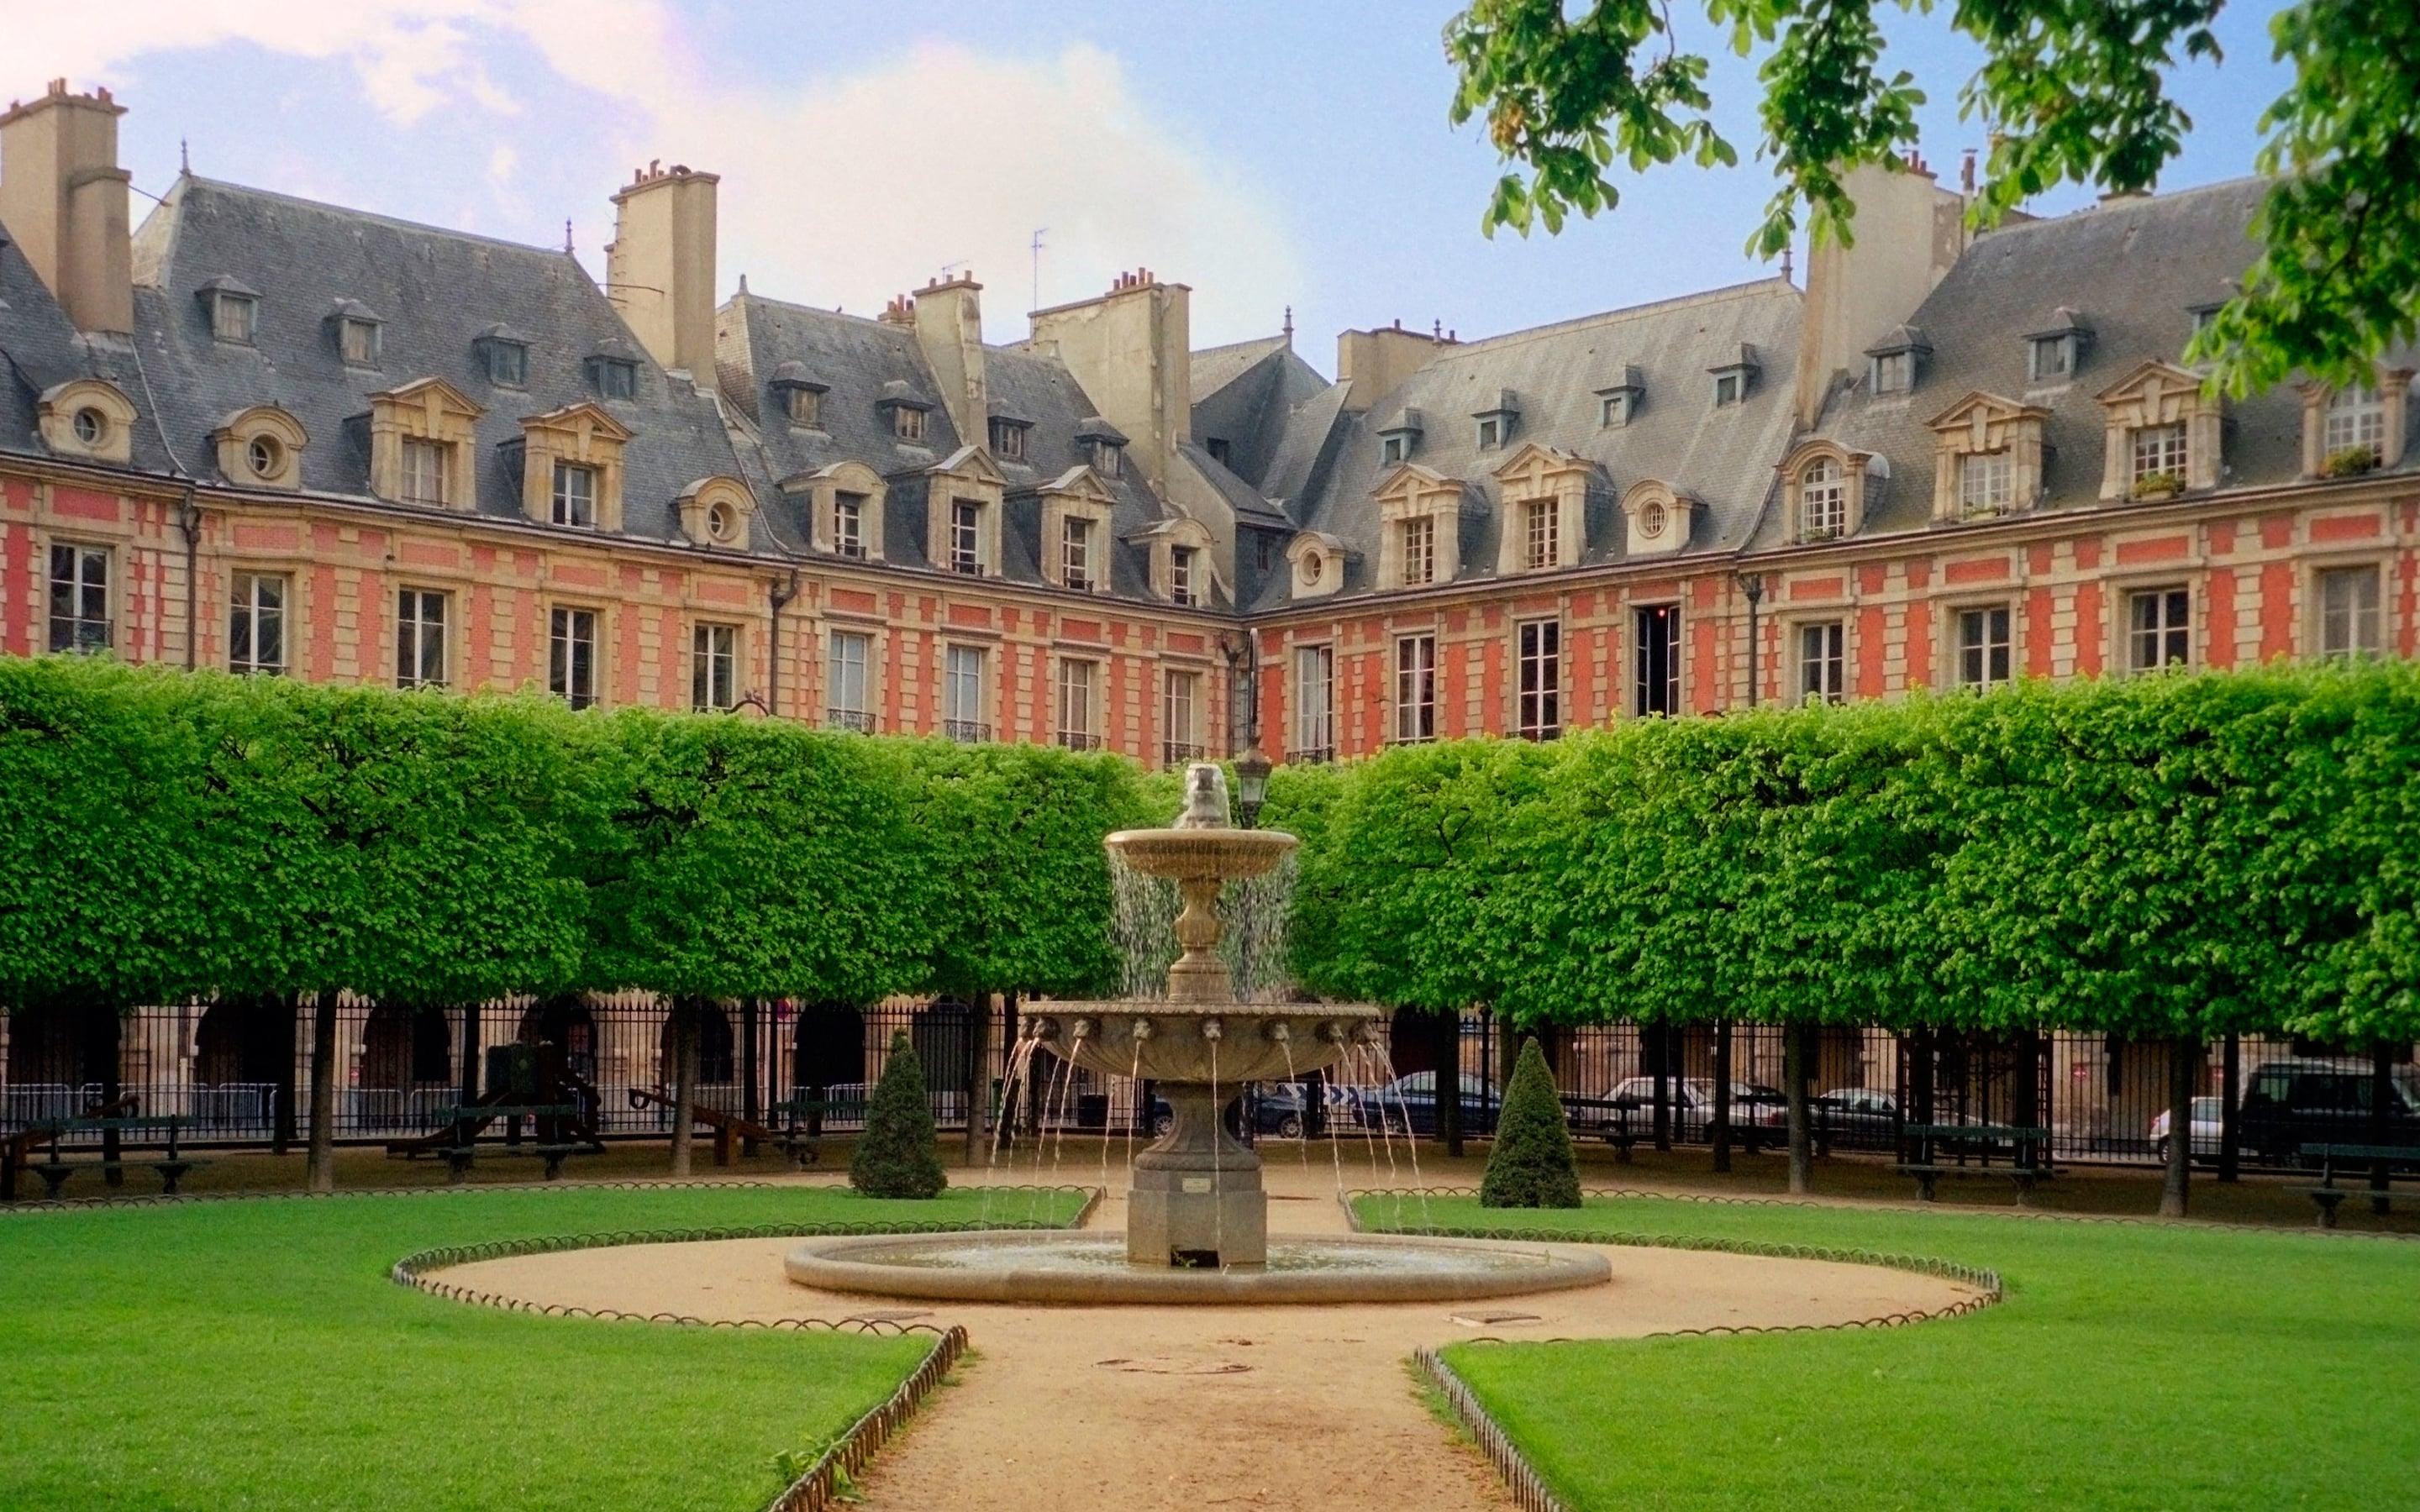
(1752, 585)
(1251, 784)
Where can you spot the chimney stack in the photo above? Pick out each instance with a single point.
(1132, 351)
(948, 317)
(1910, 231)
(659, 267)
(1373, 363)
(63, 198)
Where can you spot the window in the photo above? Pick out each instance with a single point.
(571, 657)
(2048, 357)
(962, 694)
(844, 701)
(1894, 372)
(1820, 666)
(575, 494)
(907, 423)
(1729, 387)
(256, 623)
(1613, 410)
(425, 467)
(2159, 632)
(1314, 704)
(1491, 434)
(1658, 683)
(1539, 714)
(2349, 625)
(1541, 522)
(966, 541)
(1822, 502)
(1416, 688)
(2203, 314)
(614, 377)
(1181, 589)
(90, 426)
(1420, 551)
(79, 597)
(1180, 717)
(2159, 459)
(508, 364)
(234, 316)
(1263, 551)
(1109, 459)
(419, 638)
(357, 342)
(1008, 440)
(848, 522)
(1393, 448)
(805, 407)
(1985, 484)
(263, 456)
(1077, 726)
(1983, 647)
(713, 667)
(1217, 447)
(2357, 418)
(1075, 554)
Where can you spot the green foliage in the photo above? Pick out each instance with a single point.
(896, 1157)
(2074, 92)
(1532, 1165)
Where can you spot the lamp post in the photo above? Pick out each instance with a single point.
(1752, 585)
(1251, 784)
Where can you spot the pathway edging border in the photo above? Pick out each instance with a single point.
(1520, 1477)
(840, 1464)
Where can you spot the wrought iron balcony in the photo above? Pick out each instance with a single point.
(857, 719)
(971, 731)
(1079, 740)
(1177, 752)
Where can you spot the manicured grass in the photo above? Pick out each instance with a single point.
(253, 1355)
(2132, 1367)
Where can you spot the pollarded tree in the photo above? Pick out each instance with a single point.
(1532, 1165)
(896, 1156)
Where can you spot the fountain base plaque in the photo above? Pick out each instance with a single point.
(1177, 1213)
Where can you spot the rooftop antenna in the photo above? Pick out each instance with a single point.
(566, 236)
(1289, 328)
(1785, 265)
(1037, 267)
(184, 157)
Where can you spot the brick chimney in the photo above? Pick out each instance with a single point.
(948, 317)
(659, 267)
(63, 199)
(1131, 350)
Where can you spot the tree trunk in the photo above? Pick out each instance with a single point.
(1721, 1129)
(469, 1069)
(2231, 1062)
(1793, 1082)
(323, 1092)
(751, 1106)
(105, 1051)
(1448, 1074)
(289, 1009)
(684, 1082)
(1663, 1062)
(2184, 1061)
(978, 1067)
(2381, 1107)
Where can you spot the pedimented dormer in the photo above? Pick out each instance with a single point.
(1075, 537)
(2350, 431)
(962, 507)
(2162, 434)
(571, 467)
(1542, 495)
(1317, 558)
(1657, 518)
(1178, 551)
(1420, 523)
(716, 512)
(1823, 489)
(1987, 457)
(86, 418)
(423, 442)
(262, 448)
(843, 503)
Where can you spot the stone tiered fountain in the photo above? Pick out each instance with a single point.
(1197, 1219)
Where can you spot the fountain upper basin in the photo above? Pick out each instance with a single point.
(1207, 853)
(1176, 1043)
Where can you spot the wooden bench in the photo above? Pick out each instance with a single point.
(1614, 1131)
(460, 1155)
(802, 1137)
(2327, 1195)
(2029, 1166)
(171, 1167)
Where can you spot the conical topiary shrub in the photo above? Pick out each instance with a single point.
(1532, 1165)
(896, 1156)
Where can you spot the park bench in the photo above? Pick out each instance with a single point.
(171, 1165)
(802, 1137)
(1587, 1115)
(2029, 1163)
(547, 1118)
(2380, 1160)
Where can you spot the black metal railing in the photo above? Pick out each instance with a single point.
(972, 731)
(857, 719)
(1079, 740)
(1175, 752)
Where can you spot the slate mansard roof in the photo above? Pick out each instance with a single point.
(40, 348)
(436, 292)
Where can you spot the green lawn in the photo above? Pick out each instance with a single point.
(2132, 1367)
(253, 1355)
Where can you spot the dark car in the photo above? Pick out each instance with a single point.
(1853, 1117)
(1412, 1100)
(2297, 1101)
(1692, 1103)
(1278, 1108)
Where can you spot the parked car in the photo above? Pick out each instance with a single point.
(1856, 1117)
(1278, 1108)
(1413, 1098)
(1692, 1101)
(2206, 1129)
(2299, 1101)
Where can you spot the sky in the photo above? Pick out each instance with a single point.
(1268, 153)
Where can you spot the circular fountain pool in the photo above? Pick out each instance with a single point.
(1019, 1265)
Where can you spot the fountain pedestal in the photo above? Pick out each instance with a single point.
(1195, 1198)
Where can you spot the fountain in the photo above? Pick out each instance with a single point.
(1196, 1218)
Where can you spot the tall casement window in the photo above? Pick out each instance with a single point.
(79, 597)
(1823, 500)
(714, 666)
(1183, 589)
(571, 657)
(849, 521)
(1416, 688)
(1986, 483)
(966, 538)
(962, 694)
(1540, 712)
(1983, 647)
(847, 658)
(2158, 457)
(1075, 554)
(425, 467)
(1657, 689)
(1314, 704)
(1079, 727)
(256, 623)
(1420, 551)
(2159, 632)
(2356, 420)
(1540, 519)
(419, 638)
(1180, 717)
(575, 494)
(1820, 666)
(2347, 613)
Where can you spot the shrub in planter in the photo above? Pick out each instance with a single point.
(2158, 485)
(896, 1156)
(1532, 1165)
(2349, 462)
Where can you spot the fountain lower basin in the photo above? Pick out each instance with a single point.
(1091, 1269)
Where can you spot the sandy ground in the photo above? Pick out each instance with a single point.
(1151, 1408)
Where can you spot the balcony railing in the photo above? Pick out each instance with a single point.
(1079, 740)
(1312, 755)
(857, 719)
(971, 731)
(1176, 752)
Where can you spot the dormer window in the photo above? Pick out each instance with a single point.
(1109, 459)
(2051, 359)
(1497, 422)
(1729, 390)
(1733, 380)
(907, 424)
(1617, 403)
(1825, 490)
(965, 536)
(575, 494)
(849, 525)
(1894, 372)
(234, 310)
(1007, 438)
(1181, 589)
(1823, 500)
(805, 408)
(1075, 554)
(504, 353)
(2355, 419)
(1891, 363)
(1217, 447)
(1399, 438)
(357, 334)
(1420, 551)
(2052, 355)
(614, 378)
(1103, 445)
(2203, 314)
(1392, 450)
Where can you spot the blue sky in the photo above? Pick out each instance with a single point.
(1267, 153)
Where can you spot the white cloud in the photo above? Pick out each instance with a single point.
(841, 192)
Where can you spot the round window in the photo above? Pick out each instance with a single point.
(260, 454)
(1311, 566)
(718, 522)
(90, 426)
(1651, 519)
